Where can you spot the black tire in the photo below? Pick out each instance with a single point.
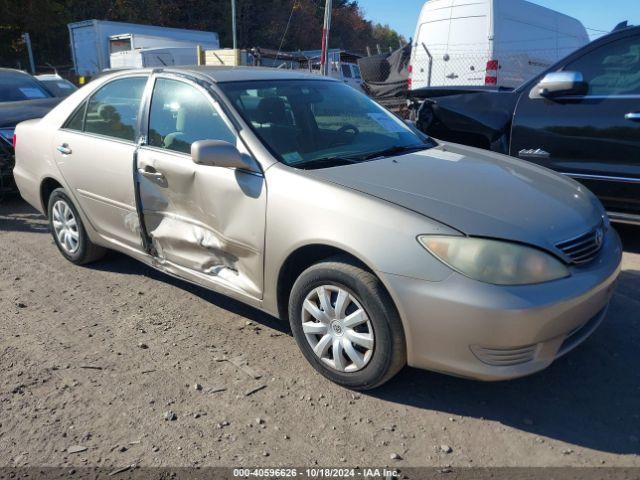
(87, 251)
(389, 352)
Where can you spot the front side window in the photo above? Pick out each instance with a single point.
(613, 69)
(346, 70)
(181, 114)
(20, 87)
(304, 122)
(113, 110)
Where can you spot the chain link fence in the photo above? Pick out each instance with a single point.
(437, 67)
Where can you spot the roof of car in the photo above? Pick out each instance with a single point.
(237, 74)
(13, 71)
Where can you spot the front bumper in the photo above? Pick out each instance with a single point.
(486, 332)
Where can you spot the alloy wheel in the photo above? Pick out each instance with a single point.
(338, 328)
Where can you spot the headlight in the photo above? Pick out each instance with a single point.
(7, 135)
(491, 261)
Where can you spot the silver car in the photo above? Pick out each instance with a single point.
(304, 198)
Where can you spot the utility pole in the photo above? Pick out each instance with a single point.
(326, 31)
(27, 41)
(234, 25)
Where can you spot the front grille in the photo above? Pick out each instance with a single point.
(584, 248)
(505, 357)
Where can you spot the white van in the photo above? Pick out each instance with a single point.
(489, 42)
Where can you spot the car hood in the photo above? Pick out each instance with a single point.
(478, 193)
(12, 113)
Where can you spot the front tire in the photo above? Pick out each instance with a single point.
(346, 325)
(68, 230)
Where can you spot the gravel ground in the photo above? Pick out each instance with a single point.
(130, 366)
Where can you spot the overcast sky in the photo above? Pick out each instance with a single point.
(597, 15)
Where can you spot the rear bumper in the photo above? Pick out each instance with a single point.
(470, 329)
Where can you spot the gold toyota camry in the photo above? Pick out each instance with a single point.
(302, 197)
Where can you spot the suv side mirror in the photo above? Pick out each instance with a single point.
(217, 153)
(560, 84)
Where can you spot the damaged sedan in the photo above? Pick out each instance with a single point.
(304, 198)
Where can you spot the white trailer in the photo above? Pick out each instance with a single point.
(155, 57)
(489, 42)
(90, 41)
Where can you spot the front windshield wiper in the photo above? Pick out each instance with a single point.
(395, 150)
(326, 162)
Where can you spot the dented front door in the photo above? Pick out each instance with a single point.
(204, 223)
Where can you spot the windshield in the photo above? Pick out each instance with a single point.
(309, 123)
(15, 88)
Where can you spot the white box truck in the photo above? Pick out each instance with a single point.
(489, 42)
(91, 45)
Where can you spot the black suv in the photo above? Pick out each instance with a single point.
(581, 118)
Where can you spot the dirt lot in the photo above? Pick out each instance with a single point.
(95, 357)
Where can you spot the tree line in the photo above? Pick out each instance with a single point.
(261, 23)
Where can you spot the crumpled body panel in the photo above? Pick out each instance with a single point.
(197, 220)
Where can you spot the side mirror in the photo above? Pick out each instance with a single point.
(560, 84)
(217, 153)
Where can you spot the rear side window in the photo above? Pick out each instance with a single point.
(613, 69)
(76, 121)
(113, 110)
(181, 114)
(346, 70)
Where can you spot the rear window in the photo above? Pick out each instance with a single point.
(16, 88)
(59, 87)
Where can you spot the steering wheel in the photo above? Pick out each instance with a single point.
(349, 128)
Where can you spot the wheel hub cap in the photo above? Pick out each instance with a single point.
(65, 227)
(337, 328)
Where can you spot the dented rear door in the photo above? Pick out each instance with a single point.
(202, 222)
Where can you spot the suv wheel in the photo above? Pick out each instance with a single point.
(68, 231)
(346, 324)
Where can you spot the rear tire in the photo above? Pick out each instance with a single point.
(338, 306)
(68, 230)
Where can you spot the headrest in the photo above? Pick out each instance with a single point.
(272, 110)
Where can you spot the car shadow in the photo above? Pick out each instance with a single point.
(116, 262)
(630, 236)
(590, 398)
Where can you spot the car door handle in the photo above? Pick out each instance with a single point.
(64, 149)
(153, 175)
(633, 116)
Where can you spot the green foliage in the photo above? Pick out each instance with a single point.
(261, 23)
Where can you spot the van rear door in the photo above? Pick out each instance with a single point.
(431, 44)
(452, 43)
(469, 46)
